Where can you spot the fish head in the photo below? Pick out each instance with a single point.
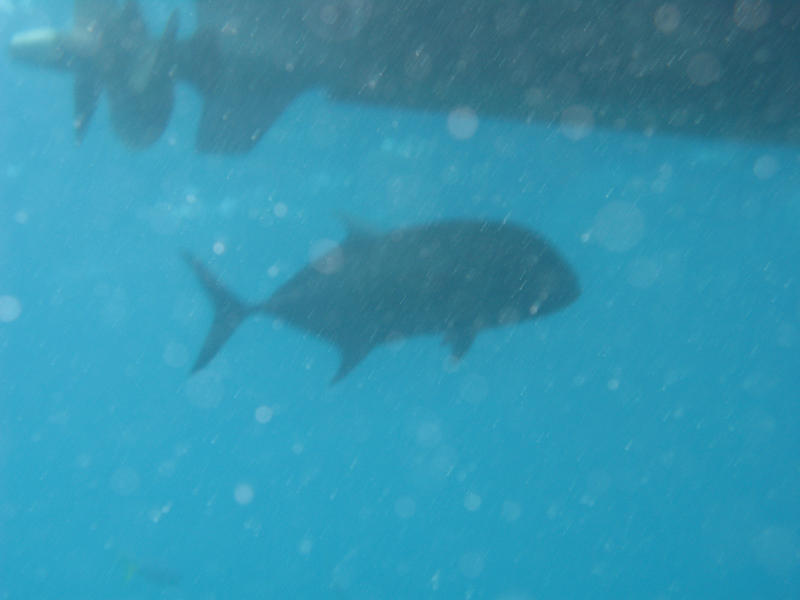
(549, 283)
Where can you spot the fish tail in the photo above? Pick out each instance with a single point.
(229, 312)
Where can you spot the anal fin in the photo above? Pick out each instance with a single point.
(87, 92)
(460, 341)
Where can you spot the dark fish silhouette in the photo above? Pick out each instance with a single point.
(155, 574)
(701, 67)
(454, 278)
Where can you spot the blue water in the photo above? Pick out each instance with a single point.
(643, 443)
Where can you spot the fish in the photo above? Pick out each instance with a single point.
(154, 574)
(108, 50)
(717, 68)
(451, 278)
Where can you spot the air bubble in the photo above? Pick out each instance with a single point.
(765, 167)
(429, 434)
(474, 390)
(418, 64)
(263, 414)
(619, 226)
(205, 389)
(462, 123)
(643, 272)
(337, 20)
(305, 546)
(471, 564)
(280, 210)
(125, 481)
(778, 550)
(667, 18)
(704, 69)
(511, 511)
(10, 309)
(472, 501)
(326, 256)
(577, 122)
(405, 507)
(243, 494)
(175, 355)
(751, 14)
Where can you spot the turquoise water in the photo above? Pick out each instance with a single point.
(643, 443)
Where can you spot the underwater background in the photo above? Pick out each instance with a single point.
(642, 443)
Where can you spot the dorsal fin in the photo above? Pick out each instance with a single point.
(88, 14)
(357, 228)
(131, 19)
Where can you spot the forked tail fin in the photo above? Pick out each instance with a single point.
(229, 312)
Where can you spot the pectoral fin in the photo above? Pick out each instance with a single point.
(235, 123)
(351, 356)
